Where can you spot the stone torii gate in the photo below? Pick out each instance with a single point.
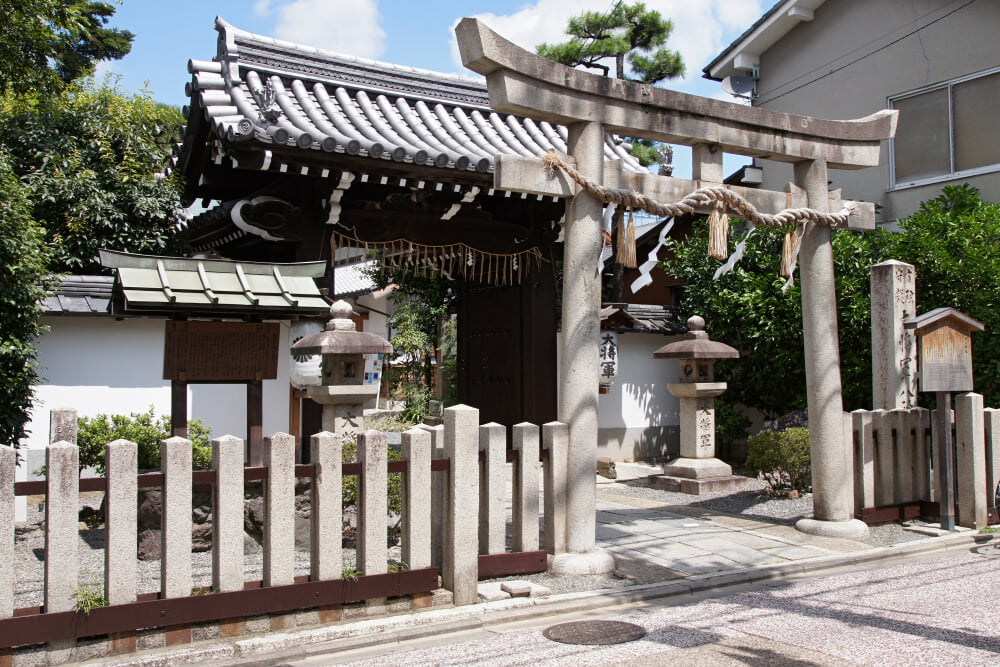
(589, 105)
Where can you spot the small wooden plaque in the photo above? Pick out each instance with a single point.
(223, 352)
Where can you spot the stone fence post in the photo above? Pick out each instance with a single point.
(525, 494)
(62, 465)
(227, 514)
(373, 491)
(492, 480)
(555, 439)
(327, 513)
(970, 455)
(460, 573)
(8, 468)
(416, 516)
(175, 545)
(121, 461)
(279, 508)
(991, 422)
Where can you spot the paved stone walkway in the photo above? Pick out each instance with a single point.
(700, 542)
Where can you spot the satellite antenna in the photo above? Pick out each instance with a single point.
(739, 85)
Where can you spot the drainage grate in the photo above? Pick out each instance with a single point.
(594, 632)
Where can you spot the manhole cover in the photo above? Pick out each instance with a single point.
(594, 632)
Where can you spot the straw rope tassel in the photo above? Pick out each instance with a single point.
(718, 232)
(626, 242)
(788, 251)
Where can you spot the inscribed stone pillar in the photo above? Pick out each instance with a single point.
(833, 483)
(579, 373)
(894, 349)
(62, 425)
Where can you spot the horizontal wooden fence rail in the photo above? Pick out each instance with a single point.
(34, 628)
(454, 524)
(152, 480)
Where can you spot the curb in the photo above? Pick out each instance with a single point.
(266, 649)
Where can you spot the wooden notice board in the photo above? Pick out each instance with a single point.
(221, 352)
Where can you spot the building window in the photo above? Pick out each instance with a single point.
(948, 131)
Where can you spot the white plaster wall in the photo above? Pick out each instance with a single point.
(101, 365)
(638, 419)
(639, 396)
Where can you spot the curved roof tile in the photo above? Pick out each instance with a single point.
(285, 94)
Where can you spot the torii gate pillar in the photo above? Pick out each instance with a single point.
(578, 371)
(523, 83)
(829, 433)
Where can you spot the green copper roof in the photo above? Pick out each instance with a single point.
(146, 284)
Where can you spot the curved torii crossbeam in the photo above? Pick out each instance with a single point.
(526, 84)
(590, 105)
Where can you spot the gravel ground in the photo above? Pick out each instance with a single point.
(30, 555)
(751, 503)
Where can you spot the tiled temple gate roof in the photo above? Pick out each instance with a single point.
(271, 105)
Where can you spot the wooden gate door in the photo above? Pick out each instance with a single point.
(507, 351)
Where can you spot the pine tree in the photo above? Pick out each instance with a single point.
(629, 32)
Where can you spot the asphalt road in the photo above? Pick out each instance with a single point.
(938, 609)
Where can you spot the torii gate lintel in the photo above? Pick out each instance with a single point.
(526, 84)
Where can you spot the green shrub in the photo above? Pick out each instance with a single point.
(350, 497)
(782, 458)
(145, 430)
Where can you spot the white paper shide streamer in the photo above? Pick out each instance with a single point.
(609, 212)
(651, 259)
(736, 256)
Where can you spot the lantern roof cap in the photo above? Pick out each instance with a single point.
(341, 336)
(695, 344)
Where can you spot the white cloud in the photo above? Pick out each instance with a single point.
(702, 28)
(104, 68)
(352, 28)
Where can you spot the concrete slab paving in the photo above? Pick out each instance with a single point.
(797, 552)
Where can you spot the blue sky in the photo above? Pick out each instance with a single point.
(406, 32)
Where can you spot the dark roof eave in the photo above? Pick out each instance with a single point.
(705, 71)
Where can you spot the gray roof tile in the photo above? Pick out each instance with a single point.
(79, 295)
(284, 94)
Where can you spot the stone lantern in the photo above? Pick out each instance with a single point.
(342, 391)
(697, 470)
